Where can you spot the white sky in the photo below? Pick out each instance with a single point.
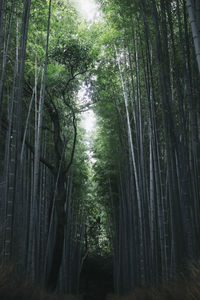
(88, 120)
(88, 9)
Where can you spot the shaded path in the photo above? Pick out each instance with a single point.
(96, 278)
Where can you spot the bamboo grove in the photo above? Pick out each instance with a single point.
(140, 63)
(41, 213)
(149, 138)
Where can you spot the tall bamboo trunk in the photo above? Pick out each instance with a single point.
(194, 21)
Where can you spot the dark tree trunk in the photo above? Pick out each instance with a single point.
(59, 238)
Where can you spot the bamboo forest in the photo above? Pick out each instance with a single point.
(99, 149)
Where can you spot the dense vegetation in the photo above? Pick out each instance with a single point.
(137, 200)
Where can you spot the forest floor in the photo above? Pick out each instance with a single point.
(96, 278)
